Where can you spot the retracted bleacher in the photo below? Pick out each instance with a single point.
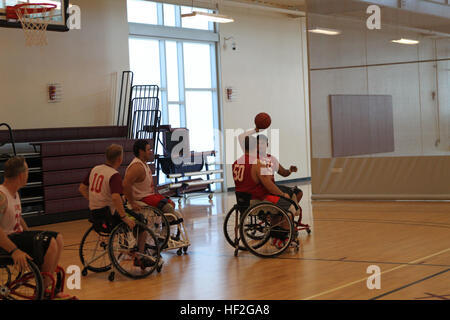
(58, 160)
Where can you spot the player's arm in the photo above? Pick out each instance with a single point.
(282, 171)
(84, 190)
(266, 180)
(24, 224)
(19, 257)
(242, 137)
(131, 177)
(84, 187)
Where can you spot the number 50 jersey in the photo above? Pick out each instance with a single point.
(242, 175)
(103, 181)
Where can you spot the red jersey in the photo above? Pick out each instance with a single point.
(242, 175)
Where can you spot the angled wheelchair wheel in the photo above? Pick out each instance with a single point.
(158, 223)
(94, 251)
(16, 284)
(266, 230)
(228, 228)
(134, 253)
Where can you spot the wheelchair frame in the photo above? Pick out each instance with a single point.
(242, 208)
(9, 289)
(106, 243)
(180, 241)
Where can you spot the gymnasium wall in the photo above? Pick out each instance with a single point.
(85, 62)
(360, 61)
(268, 73)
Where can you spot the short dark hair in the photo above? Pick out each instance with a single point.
(14, 167)
(139, 145)
(113, 152)
(250, 143)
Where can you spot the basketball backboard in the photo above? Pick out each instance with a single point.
(59, 19)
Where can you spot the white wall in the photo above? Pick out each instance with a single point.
(268, 72)
(86, 62)
(359, 61)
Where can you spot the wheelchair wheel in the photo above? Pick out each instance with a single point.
(94, 252)
(20, 285)
(158, 223)
(266, 230)
(134, 253)
(228, 228)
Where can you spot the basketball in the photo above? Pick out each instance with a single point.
(263, 120)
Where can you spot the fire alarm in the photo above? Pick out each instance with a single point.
(54, 91)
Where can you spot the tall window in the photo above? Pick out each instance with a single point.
(179, 56)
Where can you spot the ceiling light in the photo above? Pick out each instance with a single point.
(406, 41)
(213, 17)
(328, 32)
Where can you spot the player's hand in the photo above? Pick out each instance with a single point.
(293, 169)
(285, 195)
(130, 223)
(257, 130)
(20, 259)
(135, 207)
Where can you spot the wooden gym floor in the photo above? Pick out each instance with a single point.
(408, 241)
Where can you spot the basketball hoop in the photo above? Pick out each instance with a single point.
(34, 18)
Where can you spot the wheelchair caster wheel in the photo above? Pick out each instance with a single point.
(159, 268)
(111, 276)
(185, 249)
(84, 272)
(179, 252)
(210, 196)
(308, 230)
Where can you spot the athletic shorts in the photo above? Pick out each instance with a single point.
(103, 220)
(34, 243)
(157, 201)
(279, 201)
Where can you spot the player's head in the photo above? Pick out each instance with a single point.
(114, 155)
(250, 144)
(16, 169)
(142, 150)
(263, 144)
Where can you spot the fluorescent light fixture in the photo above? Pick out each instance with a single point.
(406, 41)
(328, 32)
(213, 17)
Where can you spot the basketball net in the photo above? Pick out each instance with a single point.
(35, 18)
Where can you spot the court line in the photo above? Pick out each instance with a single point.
(410, 284)
(384, 272)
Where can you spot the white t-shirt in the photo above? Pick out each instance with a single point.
(10, 220)
(145, 188)
(103, 181)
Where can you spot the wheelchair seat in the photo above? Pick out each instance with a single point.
(243, 201)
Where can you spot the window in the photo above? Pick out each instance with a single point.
(184, 69)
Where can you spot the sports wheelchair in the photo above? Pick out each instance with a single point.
(27, 284)
(106, 247)
(265, 229)
(168, 227)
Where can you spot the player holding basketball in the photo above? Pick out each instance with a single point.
(138, 182)
(249, 177)
(43, 247)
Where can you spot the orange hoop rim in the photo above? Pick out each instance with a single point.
(11, 11)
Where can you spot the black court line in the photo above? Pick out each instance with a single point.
(410, 284)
